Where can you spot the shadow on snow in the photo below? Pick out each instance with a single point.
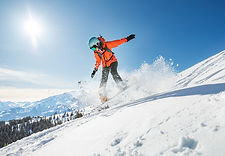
(197, 90)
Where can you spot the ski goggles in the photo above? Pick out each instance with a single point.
(93, 47)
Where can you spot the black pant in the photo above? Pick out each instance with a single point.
(105, 73)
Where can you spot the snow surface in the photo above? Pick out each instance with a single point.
(211, 70)
(161, 113)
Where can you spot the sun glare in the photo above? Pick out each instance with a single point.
(33, 29)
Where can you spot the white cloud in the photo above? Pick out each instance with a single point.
(29, 86)
(31, 95)
(10, 78)
(14, 75)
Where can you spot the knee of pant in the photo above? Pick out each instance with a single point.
(114, 72)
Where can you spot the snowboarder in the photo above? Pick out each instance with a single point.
(103, 53)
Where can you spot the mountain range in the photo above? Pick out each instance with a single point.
(45, 107)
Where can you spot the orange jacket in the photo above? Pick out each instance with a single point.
(106, 56)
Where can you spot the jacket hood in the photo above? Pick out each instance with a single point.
(102, 40)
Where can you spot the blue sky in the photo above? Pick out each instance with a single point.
(187, 31)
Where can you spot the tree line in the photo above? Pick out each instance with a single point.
(17, 129)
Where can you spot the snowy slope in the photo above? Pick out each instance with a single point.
(211, 70)
(178, 121)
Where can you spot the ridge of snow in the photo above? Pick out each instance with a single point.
(210, 70)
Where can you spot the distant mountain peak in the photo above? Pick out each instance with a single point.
(45, 107)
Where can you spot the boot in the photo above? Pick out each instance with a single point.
(103, 98)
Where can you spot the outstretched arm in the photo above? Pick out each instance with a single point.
(113, 44)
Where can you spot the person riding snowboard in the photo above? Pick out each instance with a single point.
(103, 53)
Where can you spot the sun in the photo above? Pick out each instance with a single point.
(33, 29)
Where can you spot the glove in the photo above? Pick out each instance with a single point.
(93, 73)
(132, 36)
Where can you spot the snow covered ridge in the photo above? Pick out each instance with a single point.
(211, 70)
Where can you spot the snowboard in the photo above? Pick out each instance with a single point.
(107, 99)
(105, 105)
